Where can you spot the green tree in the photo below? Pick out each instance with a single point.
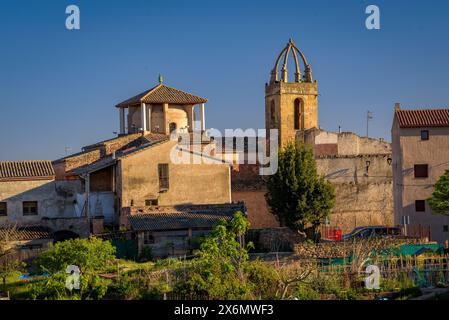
(296, 193)
(218, 272)
(88, 254)
(439, 201)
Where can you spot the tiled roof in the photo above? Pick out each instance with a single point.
(138, 143)
(25, 233)
(26, 169)
(183, 217)
(142, 144)
(163, 94)
(423, 118)
(95, 166)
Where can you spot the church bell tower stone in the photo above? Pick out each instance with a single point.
(291, 107)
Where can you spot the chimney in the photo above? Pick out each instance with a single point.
(397, 106)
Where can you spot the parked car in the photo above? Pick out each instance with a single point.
(373, 232)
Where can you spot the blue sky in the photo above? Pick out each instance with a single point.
(58, 87)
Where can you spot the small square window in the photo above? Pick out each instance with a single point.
(424, 134)
(421, 170)
(30, 208)
(3, 209)
(445, 228)
(420, 205)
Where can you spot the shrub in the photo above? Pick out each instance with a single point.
(218, 272)
(88, 254)
(92, 287)
(124, 288)
(156, 291)
(263, 279)
(305, 292)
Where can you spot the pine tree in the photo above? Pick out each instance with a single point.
(439, 201)
(296, 193)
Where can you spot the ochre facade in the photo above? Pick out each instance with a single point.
(138, 179)
(291, 106)
(410, 149)
(280, 97)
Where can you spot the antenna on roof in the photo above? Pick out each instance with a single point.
(161, 78)
(369, 116)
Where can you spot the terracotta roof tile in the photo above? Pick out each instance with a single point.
(163, 94)
(26, 169)
(183, 217)
(423, 118)
(25, 233)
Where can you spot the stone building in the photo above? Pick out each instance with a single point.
(420, 156)
(27, 238)
(291, 106)
(360, 170)
(175, 230)
(135, 172)
(26, 190)
(139, 171)
(31, 197)
(358, 167)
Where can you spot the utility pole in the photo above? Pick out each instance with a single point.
(369, 116)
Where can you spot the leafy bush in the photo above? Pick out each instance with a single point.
(124, 288)
(218, 272)
(92, 287)
(305, 292)
(156, 291)
(263, 279)
(88, 254)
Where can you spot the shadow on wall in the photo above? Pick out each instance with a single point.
(63, 235)
(54, 199)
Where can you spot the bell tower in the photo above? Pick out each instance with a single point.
(291, 107)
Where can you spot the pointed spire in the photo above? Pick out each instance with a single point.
(161, 78)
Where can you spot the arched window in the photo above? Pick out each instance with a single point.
(272, 112)
(297, 114)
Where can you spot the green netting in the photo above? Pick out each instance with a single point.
(417, 249)
(403, 250)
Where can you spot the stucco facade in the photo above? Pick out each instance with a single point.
(409, 149)
(200, 183)
(54, 199)
(363, 196)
